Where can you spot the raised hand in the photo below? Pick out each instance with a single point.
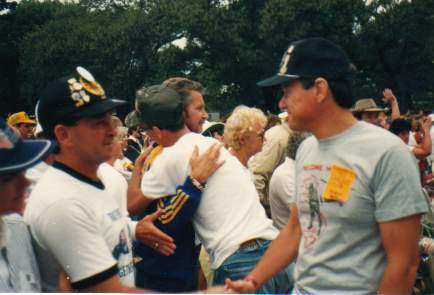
(388, 95)
(140, 161)
(426, 124)
(203, 166)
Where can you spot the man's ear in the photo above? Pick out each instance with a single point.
(321, 89)
(157, 132)
(62, 134)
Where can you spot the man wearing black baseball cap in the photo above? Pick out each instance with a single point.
(77, 211)
(17, 259)
(356, 223)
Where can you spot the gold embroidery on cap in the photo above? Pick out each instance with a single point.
(86, 85)
(93, 87)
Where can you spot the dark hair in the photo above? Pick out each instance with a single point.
(170, 125)
(399, 125)
(132, 129)
(340, 89)
(294, 141)
(358, 115)
(49, 130)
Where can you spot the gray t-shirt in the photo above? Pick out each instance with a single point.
(345, 186)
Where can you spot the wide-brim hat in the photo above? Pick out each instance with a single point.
(312, 58)
(367, 105)
(17, 154)
(211, 127)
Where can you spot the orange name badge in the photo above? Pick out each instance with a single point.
(339, 184)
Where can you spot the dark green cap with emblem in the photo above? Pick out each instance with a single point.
(69, 99)
(159, 106)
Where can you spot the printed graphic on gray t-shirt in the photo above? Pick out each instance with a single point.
(345, 186)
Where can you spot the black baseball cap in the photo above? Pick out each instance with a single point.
(69, 99)
(17, 154)
(312, 58)
(160, 107)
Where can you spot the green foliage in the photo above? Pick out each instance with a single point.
(230, 45)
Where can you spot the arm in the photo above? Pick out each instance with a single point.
(281, 252)
(137, 202)
(390, 98)
(112, 284)
(424, 149)
(400, 241)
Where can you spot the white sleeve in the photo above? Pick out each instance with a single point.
(167, 172)
(69, 231)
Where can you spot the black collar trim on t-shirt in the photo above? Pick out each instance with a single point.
(78, 175)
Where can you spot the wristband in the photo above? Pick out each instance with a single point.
(251, 279)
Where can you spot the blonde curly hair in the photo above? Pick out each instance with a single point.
(242, 122)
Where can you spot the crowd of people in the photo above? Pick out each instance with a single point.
(325, 198)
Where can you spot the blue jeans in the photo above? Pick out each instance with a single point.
(238, 266)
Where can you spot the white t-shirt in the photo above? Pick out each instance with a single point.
(121, 165)
(282, 187)
(34, 173)
(229, 212)
(81, 227)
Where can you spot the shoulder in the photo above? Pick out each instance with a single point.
(278, 133)
(108, 173)
(306, 145)
(284, 172)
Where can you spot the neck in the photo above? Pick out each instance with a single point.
(78, 164)
(170, 138)
(333, 121)
(241, 156)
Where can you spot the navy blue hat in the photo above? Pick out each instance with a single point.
(312, 58)
(69, 99)
(17, 154)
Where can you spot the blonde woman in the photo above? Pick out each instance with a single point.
(244, 132)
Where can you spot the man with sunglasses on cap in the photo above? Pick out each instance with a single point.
(19, 270)
(77, 211)
(356, 223)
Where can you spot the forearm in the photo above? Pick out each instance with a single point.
(180, 208)
(282, 251)
(395, 110)
(137, 202)
(398, 277)
(427, 143)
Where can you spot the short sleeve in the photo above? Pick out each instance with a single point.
(167, 172)
(396, 186)
(69, 230)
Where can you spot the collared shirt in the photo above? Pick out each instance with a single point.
(19, 271)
